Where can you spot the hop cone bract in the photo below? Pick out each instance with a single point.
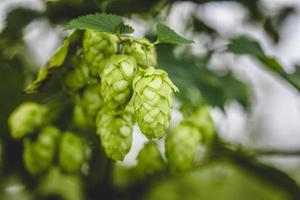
(115, 131)
(26, 118)
(97, 47)
(38, 155)
(150, 160)
(182, 145)
(153, 101)
(71, 152)
(143, 52)
(116, 80)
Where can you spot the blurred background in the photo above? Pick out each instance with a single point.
(253, 107)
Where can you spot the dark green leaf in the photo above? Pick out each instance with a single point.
(56, 61)
(245, 45)
(101, 22)
(125, 29)
(167, 35)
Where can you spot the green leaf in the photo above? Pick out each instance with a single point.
(294, 78)
(55, 62)
(245, 45)
(271, 63)
(191, 75)
(101, 22)
(125, 29)
(169, 36)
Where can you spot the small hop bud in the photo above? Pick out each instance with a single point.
(153, 101)
(26, 119)
(115, 131)
(116, 80)
(91, 100)
(78, 77)
(71, 152)
(150, 160)
(143, 52)
(202, 119)
(182, 145)
(87, 106)
(97, 48)
(38, 155)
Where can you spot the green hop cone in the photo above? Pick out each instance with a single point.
(26, 119)
(143, 51)
(78, 77)
(202, 119)
(115, 131)
(153, 101)
(87, 106)
(150, 160)
(92, 101)
(182, 145)
(97, 48)
(38, 155)
(71, 152)
(116, 80)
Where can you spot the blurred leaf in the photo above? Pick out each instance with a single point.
(273, 24)
(16, 20)
(216, 180)
(294, 78)
(167, 35)
(188, 73)
(56, 61)
(245, 45)
(101, 22)
(200, 26)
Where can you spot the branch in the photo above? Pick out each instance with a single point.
(275, 152)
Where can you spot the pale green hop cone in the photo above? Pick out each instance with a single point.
(71, 152)
(116, 80)
(39, 155)
(143, 51)
(203, 120)
(115, 131)
(149, 160)
(26, 119)
(153, 101)
(97, 48)
(182, 145)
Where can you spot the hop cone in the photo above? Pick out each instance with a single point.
(78, 77)
(38, 155)
(202, 119)
(143, 52)
(116, 80)
(115, 131)
(150, 160)
(71, 152)
(97, 47)
(92, 100)
(153, 101)
(182, 145)
(26, 118)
